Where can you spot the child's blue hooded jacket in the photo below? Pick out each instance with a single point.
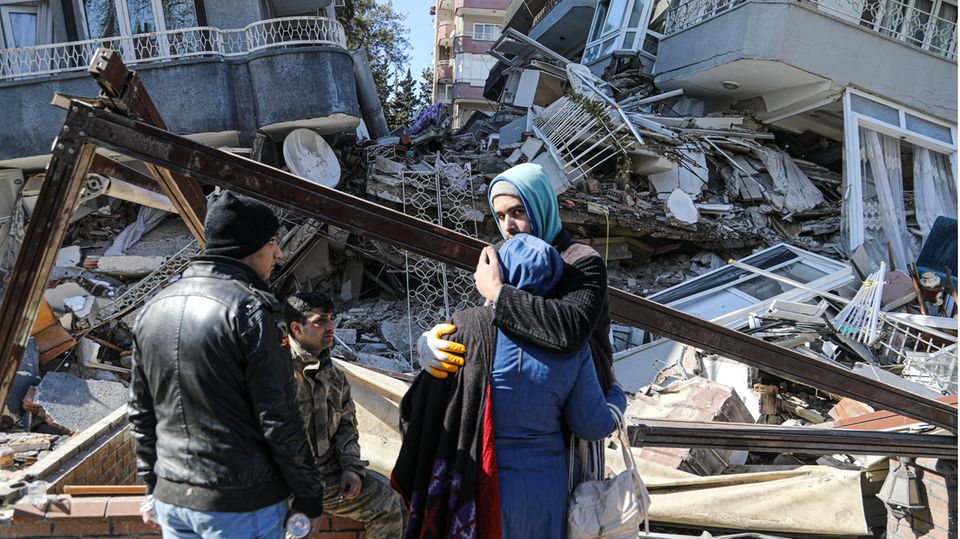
(532, 391)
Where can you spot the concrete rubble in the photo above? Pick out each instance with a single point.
(711, 216)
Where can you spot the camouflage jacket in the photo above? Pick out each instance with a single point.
(329, 415)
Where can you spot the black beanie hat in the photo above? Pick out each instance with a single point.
(237, 226)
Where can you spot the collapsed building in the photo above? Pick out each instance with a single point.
(799, 375)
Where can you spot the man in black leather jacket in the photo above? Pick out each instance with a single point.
(213, 397)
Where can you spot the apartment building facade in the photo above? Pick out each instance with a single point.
(218, 71)
(867, 87)
(464, 31)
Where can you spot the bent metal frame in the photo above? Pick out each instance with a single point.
(179, 164)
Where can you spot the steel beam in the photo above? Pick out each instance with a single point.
(127, 95)
(777, 439)
(59, 195)
(210, 165)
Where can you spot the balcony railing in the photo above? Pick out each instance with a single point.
(172, 45)
(543, 12)
(900, 20)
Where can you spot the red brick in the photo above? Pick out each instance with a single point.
(31, 529)
(338, 535)
(78, 507)
(131, 527)
(81, 526)
(24, 511)
(124, 506)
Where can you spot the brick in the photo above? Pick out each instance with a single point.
(28, 529)
(124, 506)
(131, 527)
(937, 533)
(81, 526)
(79, 507)
(338, 535)
(25, 512)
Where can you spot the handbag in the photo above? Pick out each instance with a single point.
(610, 508)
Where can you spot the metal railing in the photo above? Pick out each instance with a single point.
(173, 44)
(895, 18)
(543, 12)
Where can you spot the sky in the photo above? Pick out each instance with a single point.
(420, 24)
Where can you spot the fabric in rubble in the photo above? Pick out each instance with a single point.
(934, 188)
(883, 189)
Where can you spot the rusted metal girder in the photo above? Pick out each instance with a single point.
(777, 439)
(127, 95)
(59, 195)
(217, 167)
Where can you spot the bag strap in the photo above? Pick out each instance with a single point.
(628, 460)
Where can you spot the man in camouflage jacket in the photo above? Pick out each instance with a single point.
(329, 415)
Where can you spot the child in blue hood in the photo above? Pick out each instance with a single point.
(533, 392)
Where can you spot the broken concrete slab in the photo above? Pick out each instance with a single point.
(57, 294)
(68, 256)
(696, 399)
(692, 179)
(73, 404)
(680, 206)
(397, 334)
(129, 265)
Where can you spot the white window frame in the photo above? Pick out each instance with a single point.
(123, 16)
(5, 11)
(478, 36)
(852, 122)
(642, 29)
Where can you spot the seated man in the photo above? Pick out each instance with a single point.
(329, 416)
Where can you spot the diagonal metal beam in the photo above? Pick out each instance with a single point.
(217, 167)
(128, 95)
(776, 439)
(59, 194)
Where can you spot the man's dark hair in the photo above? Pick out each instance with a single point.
(299, 305)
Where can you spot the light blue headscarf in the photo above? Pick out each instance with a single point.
(536, 193)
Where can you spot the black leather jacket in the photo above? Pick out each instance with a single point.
(213, 399)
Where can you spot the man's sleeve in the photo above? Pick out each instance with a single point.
(561, 324)
(144, 423)
(346, 442)
(272, 388)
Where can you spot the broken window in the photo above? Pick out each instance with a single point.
(898, 177)
(617, 24)
(730, 289)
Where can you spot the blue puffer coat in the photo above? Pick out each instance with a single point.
(532, 391)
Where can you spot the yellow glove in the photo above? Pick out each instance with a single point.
(439, 356)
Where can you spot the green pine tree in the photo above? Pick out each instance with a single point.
(404, 101)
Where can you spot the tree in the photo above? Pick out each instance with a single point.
(425, 94)
(374, 25)
(404, 102)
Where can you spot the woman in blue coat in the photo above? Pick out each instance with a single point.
(534, 393)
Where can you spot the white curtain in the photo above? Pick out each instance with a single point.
(44, 23)
(934, 188)
(885, 224)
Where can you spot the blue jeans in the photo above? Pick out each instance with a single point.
(184, 523)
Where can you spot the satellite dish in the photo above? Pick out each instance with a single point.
(310, 157)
